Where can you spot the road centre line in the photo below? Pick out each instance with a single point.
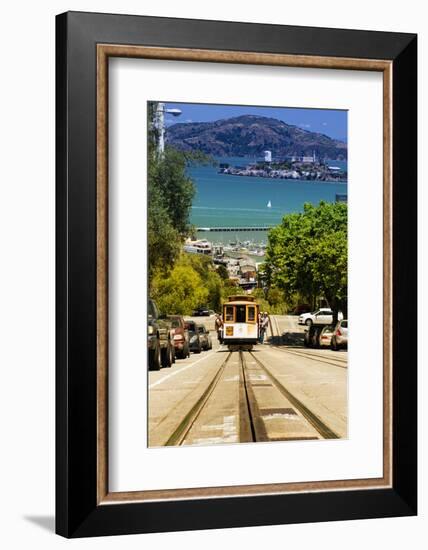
(168, 376)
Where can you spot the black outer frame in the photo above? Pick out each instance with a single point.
(77, 513)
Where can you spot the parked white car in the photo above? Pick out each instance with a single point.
(322, 316)
(340, 335)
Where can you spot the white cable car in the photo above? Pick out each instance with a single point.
(240, 322)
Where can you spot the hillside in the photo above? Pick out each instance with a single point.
(250, 135)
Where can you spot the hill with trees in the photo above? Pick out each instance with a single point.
(250, 135)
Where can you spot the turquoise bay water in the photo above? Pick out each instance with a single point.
(235, 201)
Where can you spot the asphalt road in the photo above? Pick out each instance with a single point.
(280, 391)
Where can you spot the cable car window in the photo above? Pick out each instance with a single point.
(251, 314)
(229, 313)
(240, 314)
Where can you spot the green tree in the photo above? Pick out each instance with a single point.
(179, 292)
(308, 253)
(168, 176)
(163, 239)
(170, 195)
(193, 282)
(230, 288)
(260, 297)
(275, 297)
(152, 130)
(222, 271)
(213, 283)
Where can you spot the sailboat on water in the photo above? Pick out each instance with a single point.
(269, 205)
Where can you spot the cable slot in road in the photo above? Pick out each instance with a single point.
(315, 357)
(312, 418)
(332, 361)
(244, 402)
(180, 433)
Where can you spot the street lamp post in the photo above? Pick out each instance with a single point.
(160, 123)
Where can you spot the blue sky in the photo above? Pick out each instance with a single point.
(333, 123)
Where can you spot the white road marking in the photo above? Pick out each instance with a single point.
(255, 377)
(228, 428)
(168, 376)
(214, 440)
(209, 427)
(230, 434)
(280, 415)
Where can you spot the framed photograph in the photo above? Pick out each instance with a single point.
(229, 195)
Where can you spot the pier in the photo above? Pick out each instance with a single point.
(221, 229)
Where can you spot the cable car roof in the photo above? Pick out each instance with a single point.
(240, 298)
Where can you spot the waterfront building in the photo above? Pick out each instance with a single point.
(310, 159)
(268, 156)
(201, 246)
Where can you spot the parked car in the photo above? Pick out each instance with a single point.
(159, 341)
(325, 335)
(180, 336)
(313, 334)
(340, 335)
(202, 312)
(322, 316)
(194, 340)
(204, 337)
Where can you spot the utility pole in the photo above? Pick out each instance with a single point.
(161, 110)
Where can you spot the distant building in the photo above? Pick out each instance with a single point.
(248, 271)
(268, 156)
(311, 159)
(199, 246)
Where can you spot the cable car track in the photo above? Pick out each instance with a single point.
(251, 409)
(180, 433)
(333, 361)
(325, 357)
(252, 417)
(315, 357)
(275, 321)
(311, 417)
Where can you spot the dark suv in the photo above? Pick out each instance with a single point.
(161, 348)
